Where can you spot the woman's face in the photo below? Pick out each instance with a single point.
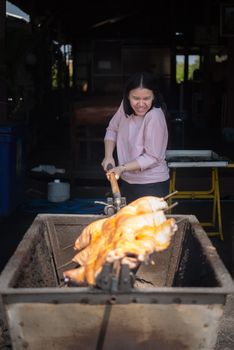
(141, 100)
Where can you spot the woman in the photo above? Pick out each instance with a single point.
(139, 132)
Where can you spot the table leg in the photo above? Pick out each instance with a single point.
(213, 193)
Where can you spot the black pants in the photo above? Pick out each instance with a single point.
(134, 191)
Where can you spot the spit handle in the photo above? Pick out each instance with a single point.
(114, 184)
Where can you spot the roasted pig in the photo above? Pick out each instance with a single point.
(130, 236)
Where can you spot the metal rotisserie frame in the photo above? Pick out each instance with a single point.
(181, 309)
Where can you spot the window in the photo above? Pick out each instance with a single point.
(180, 64)
(185, 67)
(62, 66)
(193, 64)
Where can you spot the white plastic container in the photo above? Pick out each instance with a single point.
(58, 191)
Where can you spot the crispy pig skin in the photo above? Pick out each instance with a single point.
(75, 275)
(130, 236)
(84, 239)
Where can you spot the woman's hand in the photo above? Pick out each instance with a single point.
(106, 161)
(118, 170)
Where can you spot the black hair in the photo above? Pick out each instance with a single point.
(142, 80)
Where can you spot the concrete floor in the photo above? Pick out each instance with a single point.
(14, 226)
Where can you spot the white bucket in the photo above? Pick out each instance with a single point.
(58, 191)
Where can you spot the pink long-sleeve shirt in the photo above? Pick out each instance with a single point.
(143, 139)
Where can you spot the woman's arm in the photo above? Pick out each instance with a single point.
(109, 149)
(111, 137)
(155, 141)
(130, 166)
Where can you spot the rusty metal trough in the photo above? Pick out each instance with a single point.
(178, 306)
